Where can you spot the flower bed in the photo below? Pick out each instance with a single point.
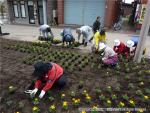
(89, 84)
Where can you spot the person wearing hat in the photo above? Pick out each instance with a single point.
(109, 55)
(48, 73)
(133, 43)
(85, 31)
(119, 47)
(67, 36)
(99, 37)
(45, 29)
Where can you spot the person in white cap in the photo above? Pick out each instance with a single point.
(85, 31)
(119, 47)
(110, 57)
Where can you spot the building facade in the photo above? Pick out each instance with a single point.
(72, 12)
(34, 12)
(84, 12)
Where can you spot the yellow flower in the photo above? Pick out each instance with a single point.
(78, 100)
(140, 110)
(146, 97)
(35, 108)
(88, 98)
(122, 104)
(36, 99)
(141, 83)
(108, 101)
(65, 103)
(84, 91)
(17, 112)
(83, 112)
(53, 107)
(10, 87)
(132, 102)
(109, 87)
(95, 107)
(73, 99)
(63, 95)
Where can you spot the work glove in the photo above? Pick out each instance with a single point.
(33, 92)
(42, 94)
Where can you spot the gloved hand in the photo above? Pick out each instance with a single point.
(42, 94)
(33, 92)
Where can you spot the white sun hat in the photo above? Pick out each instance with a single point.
(130, 43)
(117, 42)
(101, 46)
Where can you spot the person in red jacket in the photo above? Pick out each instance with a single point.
(48, 73)
(119, 47)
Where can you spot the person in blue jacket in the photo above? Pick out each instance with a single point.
(133, 42)
(67, 36)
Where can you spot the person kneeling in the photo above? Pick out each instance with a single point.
(67, 36)
(109, 58)
(48, 73)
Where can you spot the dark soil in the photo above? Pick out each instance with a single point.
(18, 74)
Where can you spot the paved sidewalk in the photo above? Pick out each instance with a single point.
(31, 33)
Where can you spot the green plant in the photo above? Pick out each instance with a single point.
(109, 89)
(81, 82)
(102, 97)
(131, 86)
(147, 91)
(121, 104)
(139, 93)
(35, 109)
(114, 97)
(87, 98)
(127, 77)
(125, 97)
(72, 94)
(65, 105)
(12, 89)
(98, 91)
(52, 108)
(132, 103)
(127, 70)
(76, 102)
(51, 98)
(108, 103)
(21, 104)
(35, 101)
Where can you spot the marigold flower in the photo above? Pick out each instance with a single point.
(146, 97)
(83, 111)
(35, 108)
(53, 107)
(65, 103)
(122, 104)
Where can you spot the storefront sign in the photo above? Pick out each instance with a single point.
(143, 11)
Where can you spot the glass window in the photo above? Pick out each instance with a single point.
(23, 10)
(16, 10)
